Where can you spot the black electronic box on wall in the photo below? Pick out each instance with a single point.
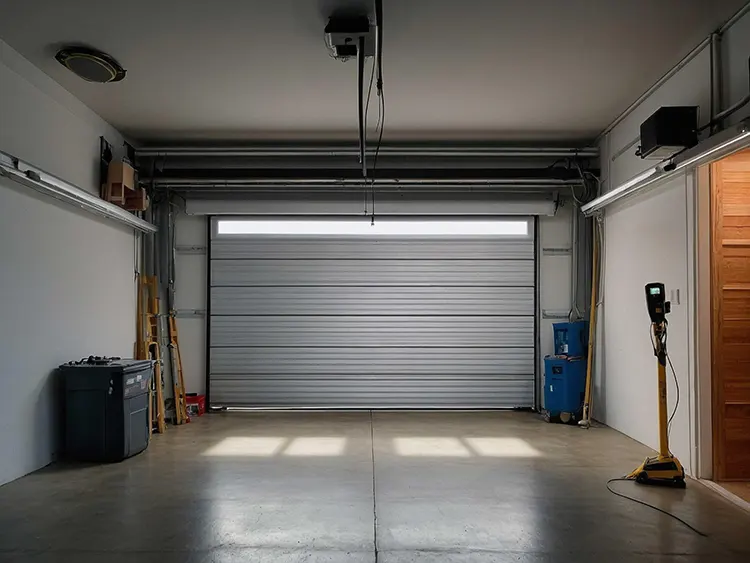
(668, 131)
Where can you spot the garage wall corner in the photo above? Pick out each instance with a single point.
(191, 258)
(67, 277)
(652, 237)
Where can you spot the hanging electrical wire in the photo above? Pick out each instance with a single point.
(660, 344)
(671, 367)
(380, 93)
(381, 119)
(677, 403)
(379, 43)
(369, 95)
(586, 180)
(360, 105)
(367, 113)
(717, 119)
(676, 382)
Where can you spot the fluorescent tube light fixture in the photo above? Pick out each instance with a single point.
(718, 151)
(620, 191)
(36, 179)
(715, 147)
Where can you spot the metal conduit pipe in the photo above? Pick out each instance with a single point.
(715, 94)
(457, 190)
(574, 312)
(735, 18)
(393, 151)
(202, 191)
(659, 83)
(216, 190)
(357, 183)
(743, 102)
(677, 68)
(716, 81)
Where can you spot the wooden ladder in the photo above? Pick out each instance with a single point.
(149, 347)
(178, 380)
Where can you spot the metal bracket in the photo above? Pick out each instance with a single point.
(626, 148)
(190, 249)
(105, 157)
(556, 251)
(129, 152)
(551, 314)
(190, 313)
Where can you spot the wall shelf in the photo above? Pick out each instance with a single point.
(36, 179)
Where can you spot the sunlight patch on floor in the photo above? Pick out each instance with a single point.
(246, 446)
(425, 446)
(502, 447)
(316, 446)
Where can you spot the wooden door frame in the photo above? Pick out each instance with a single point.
(702, 343)
(707, 394)
(720, 240)
(717, 224)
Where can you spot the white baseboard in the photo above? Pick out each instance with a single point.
(731, 497)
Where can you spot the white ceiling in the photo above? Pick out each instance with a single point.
(454, 69)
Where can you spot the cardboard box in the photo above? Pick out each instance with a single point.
(113, 193)
(120, 172)
(136, 200)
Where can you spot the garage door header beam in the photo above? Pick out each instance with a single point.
(347, 150)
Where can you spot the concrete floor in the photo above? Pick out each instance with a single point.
(293, 487)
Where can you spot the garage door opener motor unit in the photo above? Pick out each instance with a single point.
(668, 131)
(663, 469)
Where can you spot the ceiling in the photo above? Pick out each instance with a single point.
(537, 70)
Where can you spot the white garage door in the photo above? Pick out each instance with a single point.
(327, 316)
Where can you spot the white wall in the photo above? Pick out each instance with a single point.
(44, 124)
(190, 293)
(652, 238)
(554, 275)
(646, 241)
(67, 277)
(735, 49)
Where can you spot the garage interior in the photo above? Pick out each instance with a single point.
(354, 233)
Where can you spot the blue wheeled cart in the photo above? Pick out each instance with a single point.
(564, 388)
(571, 339)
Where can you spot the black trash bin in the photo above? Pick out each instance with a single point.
(106, 408)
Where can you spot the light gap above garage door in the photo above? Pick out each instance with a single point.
(399, 319)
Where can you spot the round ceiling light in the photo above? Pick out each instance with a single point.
(90, 64)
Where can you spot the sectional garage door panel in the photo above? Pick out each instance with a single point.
(362, 322)
(247, 247)
(334, 331)
(355, 391)
(401, 272)
(453, 362)
(388, 300)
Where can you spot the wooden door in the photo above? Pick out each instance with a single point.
(730, 209)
